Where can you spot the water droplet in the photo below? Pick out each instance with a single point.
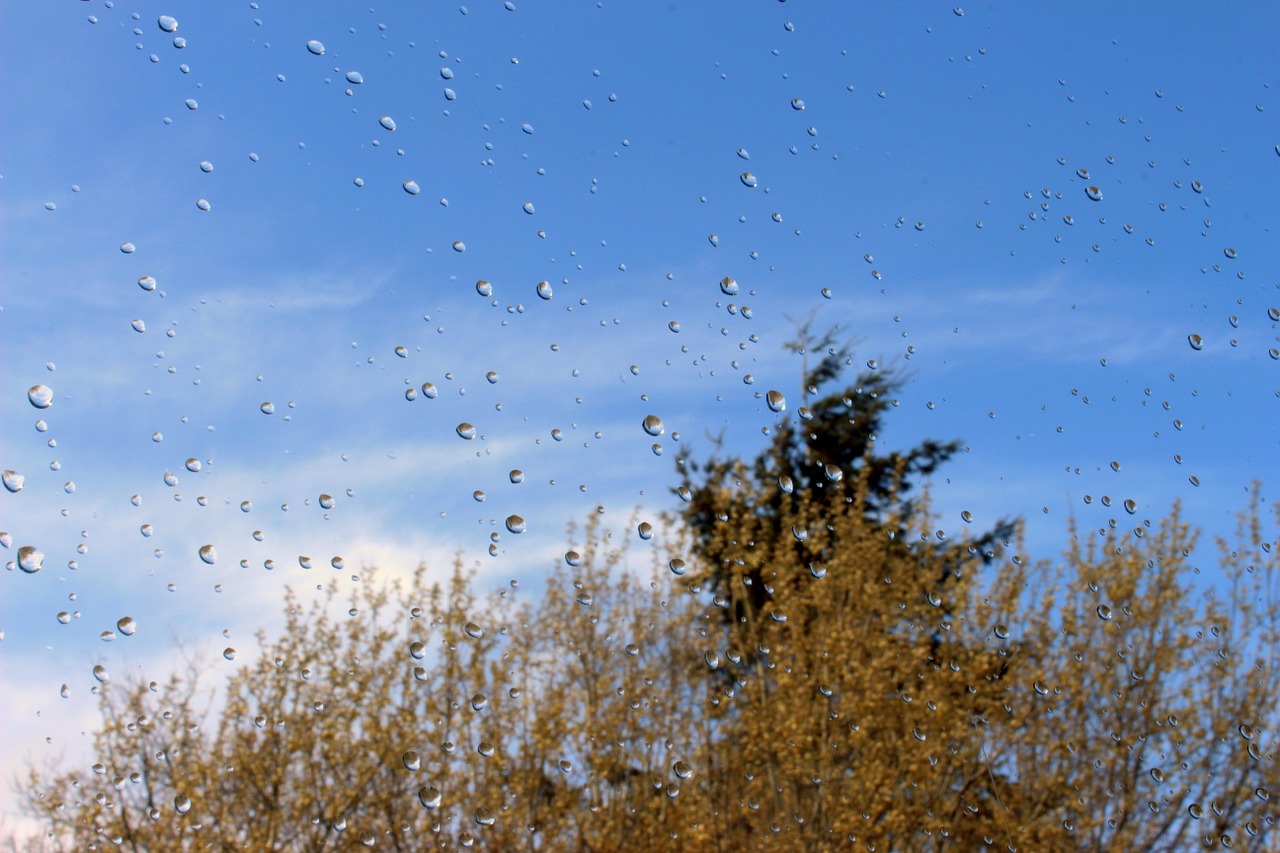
(13, 481)
(138, 325)
(459, 246)
(473, 630)
(167, 23)
(387, 122)
(645, 530)
(742, 152)
(1104, 612)
(412, 761)
(1230, 253)
(479, 702)
(573, 559)
(713, 239)
(125, 625)
(775, 401)
(1093, 193)
(748, 179)
(402, 352)
(430, 796)
(516, 475)
(147, 283)
(229, 653)
(1197, 342)
(528, 208)
(1130, 506)
(515, 524)
(182, 804)
(818, 570)
(100, 674)
(466, 430)
(728, 286)
(677, 566)
(1001, 632)
(797, 104)
(192, 104)
(682, 770)
(30, 559)
(326, 501)
(430, 391)
(268, 408)
(411, 187)
(544, 290)
(653, 425)
(128, 248)
(41, 396)
(315, 47)
(355, 77)
(208, 554)
(484, 288)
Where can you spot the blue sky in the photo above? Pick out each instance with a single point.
(623, 125)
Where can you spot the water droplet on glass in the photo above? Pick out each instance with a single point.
(797, 104)
(677, 566)
(573, 559)
(229, 653)
(544, 290)
(645, 530)
(515, 524)
(41, 396)
(682, 770)
(484, 288)
(728, 286)
(430, 796)
(268, 408)
(13, 481)
(387, 122)
(147, 283)
(326, 501)
(1197, 342)
(192, 104)
(430, 391)
(775, 401)
(1130, 506)
(1230, 253)
(818, 570)
(1001, 632)
(528, 208)
(315, 47)
(208, 554)
(1093, 193)
(653, 425)
(466, 430)
(355, 77)
(100, 674)
(459, 246)
(411, 187)
(473, 630)
(30, 559)
(748, 179)
(402, 352)
(516, 475)
(167, 23)
(479, 702)
(138, 326)
(1104, 612)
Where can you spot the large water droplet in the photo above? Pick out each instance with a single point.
(182, 804)
(208, 554)
(147, 283)
(315, 47)
(13, 481)
(515, 524)
(268, 408)
(466, 430)
(41, 396)
(748, 179)
(677, 566)
(544, 290)
(127, 626)
(355, 78)
(653, 425)
(1093, 193)
(167, 23)
(1197, 342)
(387, 122)
(728, 286)
(411, 187)
(430, 796)
(775, 401)
(30, 559)
(484, 288)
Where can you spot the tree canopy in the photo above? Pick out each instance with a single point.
(807, 664)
